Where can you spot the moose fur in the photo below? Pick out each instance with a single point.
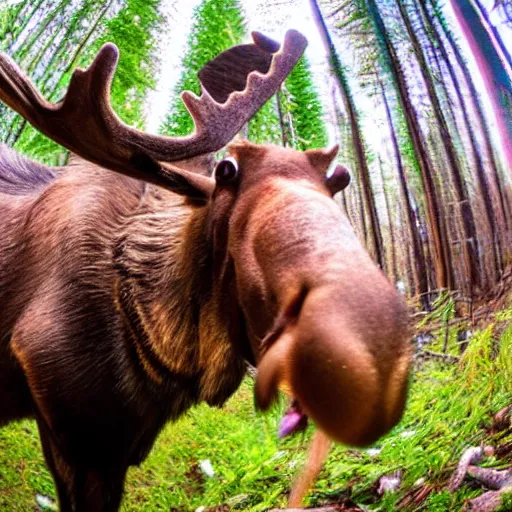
(110, 325)
(133, 288)
(121, 310)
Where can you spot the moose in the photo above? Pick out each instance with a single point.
(141, 279)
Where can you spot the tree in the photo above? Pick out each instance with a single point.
(497, 80)
(303, 109)
(435, 213)
(337, 71)
(418, 265)
(494, 214)
(469, 236)
(485, 131)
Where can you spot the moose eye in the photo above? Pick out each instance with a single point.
(226, 170)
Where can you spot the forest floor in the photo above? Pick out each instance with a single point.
(231, 459)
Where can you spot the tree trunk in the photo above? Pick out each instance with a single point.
(419, 270)
(482, 120)
(498, 83)
(376, 245)
(393, 267)
(497, 37)
(470, 238)
(483, 183)
(282, 123)
(485, 132)
(41, 27)
(19, 25)
(440, 248)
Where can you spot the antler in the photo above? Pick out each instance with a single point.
(234, 86)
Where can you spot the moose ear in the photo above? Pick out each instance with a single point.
(321, 159)
(338, 179)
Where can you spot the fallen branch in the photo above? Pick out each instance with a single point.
(325, 508)
(500, 481)
(328, 508)
(448, 358)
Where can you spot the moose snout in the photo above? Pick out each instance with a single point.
(350, 379)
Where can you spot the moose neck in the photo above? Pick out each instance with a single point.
(176, 301)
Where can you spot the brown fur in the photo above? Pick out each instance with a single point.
(125, 304)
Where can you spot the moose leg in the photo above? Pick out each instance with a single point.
(82, 489)
(61, 472)
(99, 491)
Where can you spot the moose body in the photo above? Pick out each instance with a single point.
(103, 306)
(129, 296)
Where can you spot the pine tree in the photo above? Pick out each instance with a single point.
(217, 25)
(304, 109)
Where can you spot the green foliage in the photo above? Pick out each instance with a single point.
(301, 113)
(264, 127)
(407, 150)
(506, 502)
(68, 37)
(217, 25)
(8, 14)
(133, 30)
(305, 109)
(443, 310)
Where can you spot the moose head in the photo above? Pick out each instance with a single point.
(149, 292)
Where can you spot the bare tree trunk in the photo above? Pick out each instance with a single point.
(485, 16)
(376, 245)
(470, 242)
(393, 273)
(41, 27)
(282, 124)
(498, 83)
(419, 266)
(483, 183)
(484, 128)
(440, 248)
(19, 25)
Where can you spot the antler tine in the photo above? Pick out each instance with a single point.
(16, 90)
(85, 123)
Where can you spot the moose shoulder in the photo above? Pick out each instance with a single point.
(130, 296)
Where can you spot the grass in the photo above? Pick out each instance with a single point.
(449, 409)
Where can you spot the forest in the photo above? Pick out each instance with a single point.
(418, 96)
